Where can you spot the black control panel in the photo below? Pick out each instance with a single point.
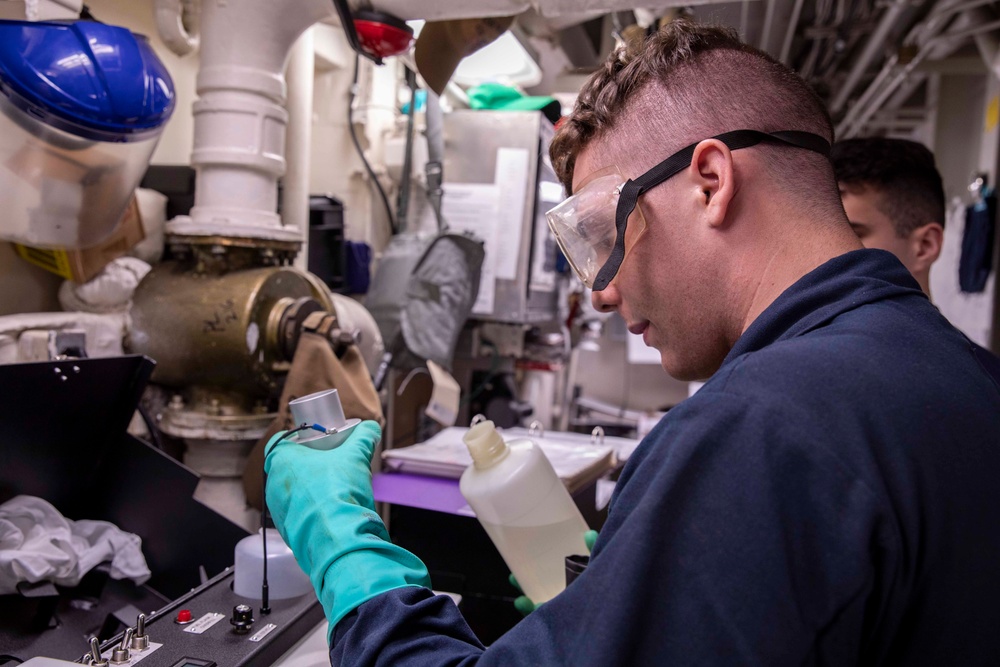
(213, 627)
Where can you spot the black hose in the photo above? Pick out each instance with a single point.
(403, 201)
(357, 145)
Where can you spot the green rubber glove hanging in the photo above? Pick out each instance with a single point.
(526, 605)
(322, 505)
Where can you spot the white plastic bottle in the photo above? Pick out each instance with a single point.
(525, 509)
(285, 579)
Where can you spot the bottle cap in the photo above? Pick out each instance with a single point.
(485, 445)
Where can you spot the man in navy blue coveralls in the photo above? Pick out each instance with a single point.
(894, 200)
(831, 496)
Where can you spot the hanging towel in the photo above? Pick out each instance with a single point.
(977, 245)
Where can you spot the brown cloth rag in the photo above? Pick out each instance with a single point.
(315, 367)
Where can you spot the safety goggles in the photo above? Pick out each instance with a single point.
(590, 226)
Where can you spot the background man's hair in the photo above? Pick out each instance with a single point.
(689, 82)
(901, 172)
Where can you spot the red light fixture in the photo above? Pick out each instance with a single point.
(382, 35)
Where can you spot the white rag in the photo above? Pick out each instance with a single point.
(37, 543)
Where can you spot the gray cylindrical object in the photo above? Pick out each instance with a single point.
(321, 408)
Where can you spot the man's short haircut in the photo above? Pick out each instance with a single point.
(689, 82)
(901, 172)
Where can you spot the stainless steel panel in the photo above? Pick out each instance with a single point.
(472, 140)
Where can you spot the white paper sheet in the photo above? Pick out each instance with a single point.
(512, 180)
(473, 207)
(445, 397)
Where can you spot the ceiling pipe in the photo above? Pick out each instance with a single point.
(744, 19)
(765, 35)
(873, 47)
(866, 96)
(918, 35)
(786, 46)
(989, 48)
(937, 47)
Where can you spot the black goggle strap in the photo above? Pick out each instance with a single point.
(631, 190)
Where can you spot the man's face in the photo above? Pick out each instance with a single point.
(873, 227)
(662, 289)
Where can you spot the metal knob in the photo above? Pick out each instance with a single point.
(120, 654)
(140, 642)
(242, 619)
(95, 654)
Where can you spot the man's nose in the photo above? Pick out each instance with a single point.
(607, 299)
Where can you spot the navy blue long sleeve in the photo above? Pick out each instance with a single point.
(830, 496)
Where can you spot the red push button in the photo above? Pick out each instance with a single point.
(183, 617)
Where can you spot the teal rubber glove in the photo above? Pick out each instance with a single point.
(323, 507)
(526, 605)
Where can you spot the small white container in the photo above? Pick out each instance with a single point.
(285, 579)
(525, 508)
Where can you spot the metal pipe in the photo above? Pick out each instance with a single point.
(435, 155)
(943, 10)
(870, 92)
(744, 19)
(989, 50)
(975, 30)
(947, 42)
(921, 35)
(810, 64)
(872, 48)
(793, 23)
(765, 35)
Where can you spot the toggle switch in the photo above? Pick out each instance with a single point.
(95, 654)
(120, 654)
(140, 642)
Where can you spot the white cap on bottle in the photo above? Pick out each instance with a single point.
(485, 445)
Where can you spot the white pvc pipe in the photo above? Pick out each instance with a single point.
(169, 16)
(295, 196)
(240, 118)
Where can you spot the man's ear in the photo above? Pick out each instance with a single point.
(926, 244)
(713, 179)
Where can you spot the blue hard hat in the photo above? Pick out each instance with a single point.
(92, 80)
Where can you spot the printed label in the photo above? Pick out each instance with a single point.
(263, 632)
(204, 623)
